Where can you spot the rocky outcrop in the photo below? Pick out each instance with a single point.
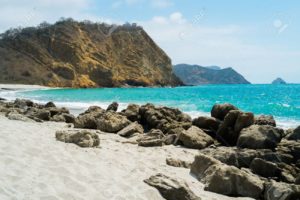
(225, 179)
(81, 54)
(259, 137)
(279, 81)
(81, 138)
(198, 75)
(178, 163)
(265, 120)
(170, 188)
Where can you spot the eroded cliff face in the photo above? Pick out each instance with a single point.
(78, 54)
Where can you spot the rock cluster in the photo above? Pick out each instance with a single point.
(239, 154)
(26, 110)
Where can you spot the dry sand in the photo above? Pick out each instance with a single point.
(36, 166)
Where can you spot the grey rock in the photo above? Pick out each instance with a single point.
(132, 112)
(259, 137)
(50, 105)
(170, 188)
(224, 179)
(209, 123)
(195, 138)
(265, 168)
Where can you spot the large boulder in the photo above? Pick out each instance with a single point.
(163, 118)
(50, 105)
(81, 138)
(131, 130)
(170, 188)
(112, 122)
(233, 123)
(294, 135)
(219, 111)
(265, 120)
(88, 119)
(195, 138)
(37, 113)
(259, 137)
(281, 191)
(207, 123)
(224, 179)
(265, 168)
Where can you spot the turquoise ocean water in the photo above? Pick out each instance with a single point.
(282, 101)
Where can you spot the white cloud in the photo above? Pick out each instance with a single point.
(187, 42)
(161, 3)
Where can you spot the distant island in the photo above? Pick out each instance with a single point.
(279, 81)
(198, 75)
(83, 54)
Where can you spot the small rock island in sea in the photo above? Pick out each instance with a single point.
(279, 81)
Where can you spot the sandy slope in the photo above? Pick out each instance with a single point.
(36, 166)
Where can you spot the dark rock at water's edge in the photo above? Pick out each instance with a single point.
(279, 81)
(83, 54)
(198, 75)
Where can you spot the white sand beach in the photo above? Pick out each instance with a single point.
(36, 166)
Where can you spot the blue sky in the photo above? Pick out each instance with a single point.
(260, 39)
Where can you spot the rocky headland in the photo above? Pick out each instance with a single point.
(199, 75)
(83, 54)
(233, 153)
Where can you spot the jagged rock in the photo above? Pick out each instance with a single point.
(154, 137)
(208, 123)
(265, 120)
(290, 147)
(178, 163)
(225, 179)
(112, 122)
(50, 105)
(171, 189)
(2, 99)
(37, 113)
(294, 135)
(259, 137)
(131, 130)
(265, 168)
(219, 111)
(88, 118)
(163, 118)
(18, 116)
(81, 138)
(289, 173)
(195, 138)
(233, 123)
(169, 139)
(113, 107)
(297, 181)
(132, 112)
(281, 191)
